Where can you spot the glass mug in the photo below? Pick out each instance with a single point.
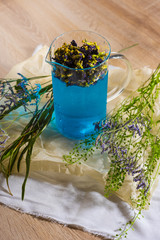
(78, 108)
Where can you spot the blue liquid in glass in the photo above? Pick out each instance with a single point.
(78, 108)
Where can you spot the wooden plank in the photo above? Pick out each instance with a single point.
(19, 226)
(24, 24)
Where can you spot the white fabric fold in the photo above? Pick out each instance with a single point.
(70, 201)
(79, 202)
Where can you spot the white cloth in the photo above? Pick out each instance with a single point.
(80, 203)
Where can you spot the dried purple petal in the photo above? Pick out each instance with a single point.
(141, 185)
(74, 43)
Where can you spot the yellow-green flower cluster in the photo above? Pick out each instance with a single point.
(80, 65)
(85, 56)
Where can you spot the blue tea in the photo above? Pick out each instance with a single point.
(77, 108)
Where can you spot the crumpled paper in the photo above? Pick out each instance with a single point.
(51, 146)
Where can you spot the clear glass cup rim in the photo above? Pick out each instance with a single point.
(78, 69)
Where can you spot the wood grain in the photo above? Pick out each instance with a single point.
(19, 226)
(25, 23)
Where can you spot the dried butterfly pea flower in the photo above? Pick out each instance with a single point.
(74, 57)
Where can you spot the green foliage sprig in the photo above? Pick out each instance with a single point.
(127, 136)
(22, 147)
(130, 135)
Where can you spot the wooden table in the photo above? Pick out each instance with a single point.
(25, 23)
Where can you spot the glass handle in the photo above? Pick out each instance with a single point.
(121, 82)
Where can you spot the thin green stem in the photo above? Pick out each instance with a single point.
(124, 49)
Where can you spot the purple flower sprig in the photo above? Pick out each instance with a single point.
(20, 92)
(125, 157)
(22, 147)
(15, 93)
(126, 145)
(26, 93)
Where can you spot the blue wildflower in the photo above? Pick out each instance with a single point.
(22, 92)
